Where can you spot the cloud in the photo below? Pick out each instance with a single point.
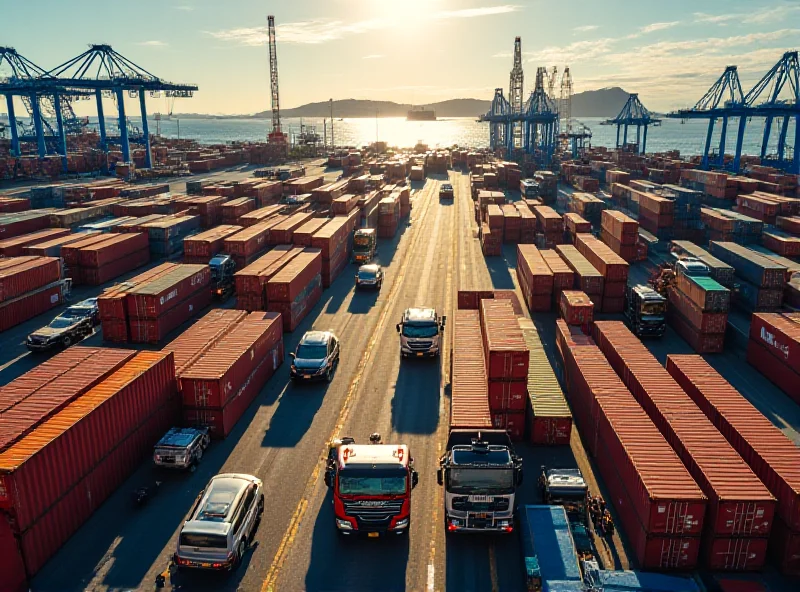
(758, 16)
(586, 28)
(659, 27)
(579, 51)
(153, 43)
(184, 7)
(373, 56)
(317, 31)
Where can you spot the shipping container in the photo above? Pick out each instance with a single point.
(780, 335)
(151, 299)
(14, 224)
(705, 293)
(205, 245)
(115, 247)
(14, 247)
(735, 554)
(620, 226)
(469, 398)
(772, 456)
(19, 275)
(550, 417)
(563, 275)
(702, 322)
(201, 336)
(535, 278)
(295, 311)
(287, 284)
(302, 236)
(282, 233)
(702, 343)
(610, 265)
(588, 279)
(512, 422)
(739, 504)
(153, 330)
(217, 375)
(576, 308)
(33, 303)
(548, 550)
(750, 266)
(506, 353)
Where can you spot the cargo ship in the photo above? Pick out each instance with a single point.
(421, 114)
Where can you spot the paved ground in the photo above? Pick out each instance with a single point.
(285, 432)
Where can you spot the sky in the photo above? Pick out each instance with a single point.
(410, 51)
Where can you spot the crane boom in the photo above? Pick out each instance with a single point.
(273, 75)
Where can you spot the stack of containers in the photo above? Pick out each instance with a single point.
(167, 234)
(389, 216)
(251, 282)
(656, 214)
(469, 398)
(577, 309)
(260, 215)
(587, 206)
(281, 234)
(115, 255)
(491, 234)
(507, 360)
(512, 224)
(720, 271)
(774, 349)
(335, 240)
(219, 386)
(112, 307)
(771, 455)
(550, 226)
(686, 212)
(54, 478)
(296, 288)
(698, 312)
(660, 506)
(527, 232)
(14, 247)
(587, 278)
(563, 276)
(23, 222)
(535, 278)
(29, 286)
(249, 244)
(761, 284)
(613, 268)
(341, 206)
(52, 248)
(232, 210)
(209, 207)
(621, 233)
(163, 303)
(70, 254)
(725, 225)
(574, 224)
(200, 248)
(741, 509)
(302, 236)
(550, 417)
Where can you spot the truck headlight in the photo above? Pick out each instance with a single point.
(293, 368)
(343, 524)
(401, 524)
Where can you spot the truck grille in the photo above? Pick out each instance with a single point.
(420, 345)
(497, 504)
(373, 517)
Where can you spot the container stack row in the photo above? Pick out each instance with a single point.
(491, 231)
(296, 288)
(535, 278)
(577, 309)
(698, 311)
(587, 206)
(563, 275)
(740, 511)
(621, 233)
(728, 226)
(234, 209)
(587, 279)
(765, 448)
(660, 505)
(575, 224)
(774, 349)
(201, 247)
(29, 286)
(760, 281)
(167, 234)
(611, 266)
(549, 227)
(104, 257)
(335, 241)
(251, 282)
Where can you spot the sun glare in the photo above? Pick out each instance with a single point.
(403, 13)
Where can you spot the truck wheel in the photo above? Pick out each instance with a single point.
(66, 341)
(199, 455)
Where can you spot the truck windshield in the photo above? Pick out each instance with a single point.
(361, 241)
(653, 308)
(416, 331)
(213, 541)
(473, 480)
(372, 482)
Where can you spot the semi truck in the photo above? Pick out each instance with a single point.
(371, 486)
(567, 488)
(480, 473)
(365, 243)
(645, 311)
(222, 281)
(421, 331)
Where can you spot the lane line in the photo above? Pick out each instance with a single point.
(271, 579)
(493, 568)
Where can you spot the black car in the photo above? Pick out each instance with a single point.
(62, 331)
(316, 357)
(86, 308)
(369, 276)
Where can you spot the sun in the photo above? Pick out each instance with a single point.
(400, 13)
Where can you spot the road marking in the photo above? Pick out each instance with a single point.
(271, 579)
(14, 361)
(431, 577)
(493, 568)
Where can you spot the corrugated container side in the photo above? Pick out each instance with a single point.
(506, 353)
(289, 282)
(780, 335)
(19, 275)
(548, 549)
(152, 298)
(469, 400)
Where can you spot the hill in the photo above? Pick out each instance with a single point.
(605, 102)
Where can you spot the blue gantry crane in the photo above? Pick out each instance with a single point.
(633, 113)
(100, 72)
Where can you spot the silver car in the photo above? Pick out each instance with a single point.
(221, 524)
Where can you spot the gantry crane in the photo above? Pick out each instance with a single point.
(634, 113)
(515, 92)
(276, 137)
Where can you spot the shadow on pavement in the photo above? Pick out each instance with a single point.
(339, 563)
(363, 300)
(415, 404)
(295, 412)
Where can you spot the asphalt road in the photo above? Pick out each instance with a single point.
(284, 434)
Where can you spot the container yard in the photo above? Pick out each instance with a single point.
(624, 320)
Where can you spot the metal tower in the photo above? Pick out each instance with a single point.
(552, 76)
(634, 113)
(515, 92)
(565, 106)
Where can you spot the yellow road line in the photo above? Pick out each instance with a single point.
(271, 579)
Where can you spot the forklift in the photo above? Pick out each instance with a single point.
(222, 269)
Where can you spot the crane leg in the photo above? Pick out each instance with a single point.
(739, 142)
(148, 156)
(123, 126)
(37, 123)
(12, 124)
(711, 123)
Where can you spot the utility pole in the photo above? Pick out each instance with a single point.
(333, 143)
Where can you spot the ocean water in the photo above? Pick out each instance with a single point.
(688, 137)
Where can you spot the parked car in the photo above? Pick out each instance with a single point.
(85, 308)
(62, 331)
(369, 276)
(221, 523)
(316, 357)
(181, 448)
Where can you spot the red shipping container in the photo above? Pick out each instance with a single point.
(665, 553)
(95, 276)
(563, 276)
(251, 240)
(112, 301)
(19, 275)
(115, 247)
(511, 421)
(534, 273)
(548, 219)
(294, 312)
(735, 554)
(506, 352)
(778, 334)
(612, 267)
(219, 374)
(702, 343)
(290, 281)
(302, 236)
(470, 300)
(207, 244)
(153, 298)
(784, 548)
(576, 308)
(771, 455)
(23, 223)
(469, 406)
(507, 396)
(332, 235)
(620, 227)
(203, 335)
(587, 277)
(23, 308)
(114, 330)
(281, 233)
(761, 358)
(703, 322)
(739, 504)
(39, 468)
(14, 247)
(344, 204)
(52, 248)
(71, 252)
(144, 330)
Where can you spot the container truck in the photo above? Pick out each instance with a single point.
(480, 473)
(421, 331)
(645, 311)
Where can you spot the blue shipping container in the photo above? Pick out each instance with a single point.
(547, 547)
(563, 586)
(749, 265)
(634, 581)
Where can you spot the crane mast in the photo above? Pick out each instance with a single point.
(515, 91)
(273, 75)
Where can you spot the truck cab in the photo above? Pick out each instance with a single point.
(371, 486)
(691, 267)
(222, 270)
(480, 473)
(567, 488)
(365, 243)
(446, 191)
(645, 311)
(421, 331)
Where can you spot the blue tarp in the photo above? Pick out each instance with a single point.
(635, 581)
(547, 546)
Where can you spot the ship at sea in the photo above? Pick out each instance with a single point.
(421, 114)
